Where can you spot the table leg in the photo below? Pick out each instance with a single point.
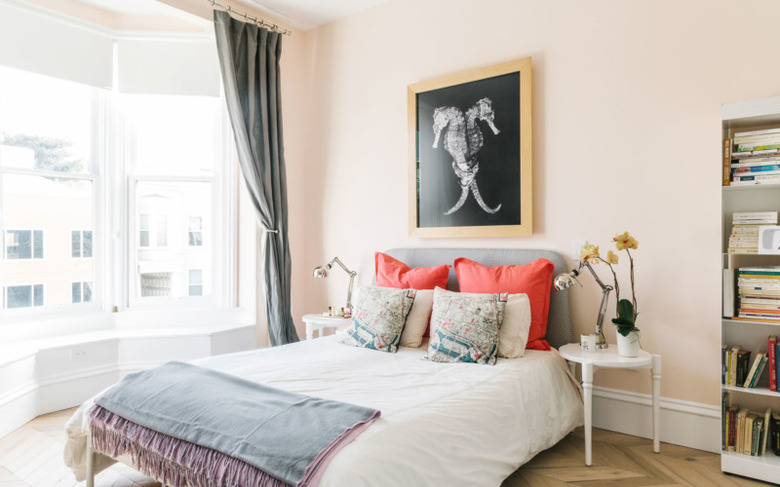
(309, 331)
(587, 392)
(90, 462)
(656, 403)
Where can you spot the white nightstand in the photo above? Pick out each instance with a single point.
(609, 358)
(320, 322)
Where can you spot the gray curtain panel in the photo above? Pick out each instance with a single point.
(249, 61)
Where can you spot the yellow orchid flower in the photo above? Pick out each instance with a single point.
(625, 241)
(612, 257)
(590, 253)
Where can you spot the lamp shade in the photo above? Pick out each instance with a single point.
(320, 271)
(565, 280)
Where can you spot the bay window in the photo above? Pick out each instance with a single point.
(108, 200)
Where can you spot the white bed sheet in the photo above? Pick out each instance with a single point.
(441, 424)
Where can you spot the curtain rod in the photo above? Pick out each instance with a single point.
(249, 18)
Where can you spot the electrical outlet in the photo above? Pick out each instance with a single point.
(78, 355)
(577, 246)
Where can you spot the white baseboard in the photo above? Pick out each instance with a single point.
(685, 423)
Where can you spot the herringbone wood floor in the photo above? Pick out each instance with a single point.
(32, 456)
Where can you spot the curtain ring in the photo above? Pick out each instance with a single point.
(230, 9)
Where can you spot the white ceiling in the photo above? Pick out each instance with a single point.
(301, 14)
(307, 14)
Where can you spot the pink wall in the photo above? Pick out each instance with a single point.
(627, 99)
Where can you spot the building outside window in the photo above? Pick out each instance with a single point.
(195, 232)
(143, 230)
(26, 296)
(196, 282)
(81, 243)
(81, 292)
(51, 164)
(24, 244)
(172, 148)
(48, 174)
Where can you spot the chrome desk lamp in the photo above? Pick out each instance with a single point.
(322, 272)
(566, 280)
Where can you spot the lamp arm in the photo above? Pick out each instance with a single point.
(595, 276)
(601, 341)
(352, 275)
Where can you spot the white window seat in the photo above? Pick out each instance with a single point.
(48, 373)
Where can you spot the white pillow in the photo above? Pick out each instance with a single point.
(418, 319)
(513, 335)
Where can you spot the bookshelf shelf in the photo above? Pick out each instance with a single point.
(751, 291)
(752, 187)
(759, 391)
(764, 467)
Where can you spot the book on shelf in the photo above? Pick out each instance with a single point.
(755, 182)
(765, 433)
(756, 169)
(728, 293)
(748, 432)
(757, 146)
(754, 216)
(755, 162)
(759, 132)
(754, 154)
(769, 177)
(775, 433)
(772, 353)
(752, 372)
(726, 162)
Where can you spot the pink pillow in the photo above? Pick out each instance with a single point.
(392, 272)
(534, 279)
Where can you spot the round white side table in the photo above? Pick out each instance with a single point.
(609, 358)
(320, 322)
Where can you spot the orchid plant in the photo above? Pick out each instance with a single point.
(625, 310)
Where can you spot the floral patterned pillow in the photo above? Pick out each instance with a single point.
(379, 318)
(465, 326)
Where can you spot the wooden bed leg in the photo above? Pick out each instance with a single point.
(90, 462)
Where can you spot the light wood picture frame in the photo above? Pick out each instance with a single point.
(470, 152)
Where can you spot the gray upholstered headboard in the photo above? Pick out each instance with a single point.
(559, 319)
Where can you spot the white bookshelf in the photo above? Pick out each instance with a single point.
(751, 335)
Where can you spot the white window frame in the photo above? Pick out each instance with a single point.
(114, 238)
(32, 293)
(99, 158)
(224, 204)
(32, 242)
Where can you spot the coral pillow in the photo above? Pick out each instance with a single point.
(534, 279)
(392, 272)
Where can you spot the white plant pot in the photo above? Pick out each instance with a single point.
(628, 346)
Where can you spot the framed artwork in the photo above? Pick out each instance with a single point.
(470, 173)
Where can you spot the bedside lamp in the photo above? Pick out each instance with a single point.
(566, 280)
(322, 272)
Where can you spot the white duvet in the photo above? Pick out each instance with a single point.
(441, 424)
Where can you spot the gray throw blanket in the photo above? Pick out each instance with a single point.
(289, 436)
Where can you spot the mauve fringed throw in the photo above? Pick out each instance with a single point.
(203, 428)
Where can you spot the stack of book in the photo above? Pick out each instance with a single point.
(758, 293)
(747, 432)
(744, 232)
(755, 157)
(734, 365)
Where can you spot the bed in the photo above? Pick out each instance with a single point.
(441, 423)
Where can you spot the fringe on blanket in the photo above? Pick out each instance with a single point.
(174, 462)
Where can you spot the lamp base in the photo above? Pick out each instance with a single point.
(601, 341)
